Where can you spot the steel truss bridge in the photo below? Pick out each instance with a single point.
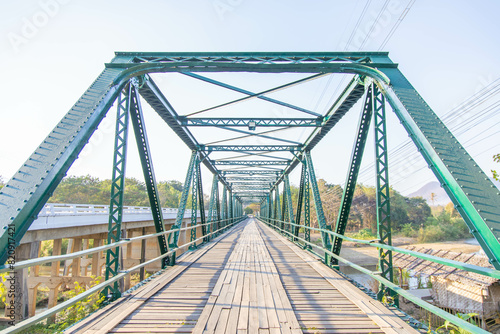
(254, 165)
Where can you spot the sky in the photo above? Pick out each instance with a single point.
(52, 50)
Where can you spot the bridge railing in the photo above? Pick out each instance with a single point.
(273, 223)
(227, 223)
(60, 209)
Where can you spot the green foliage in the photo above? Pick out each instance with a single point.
(364, 234)
(91, 190)
(452, 329)
(248, 210)
(443, 227)
(408, 231)
(79, 310)
(496, 158)
(3, 290)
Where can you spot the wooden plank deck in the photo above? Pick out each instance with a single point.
(250, 280)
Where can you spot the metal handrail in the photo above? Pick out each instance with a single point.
(60, 209)
(400, 291)
(43, 315)
(47, 259)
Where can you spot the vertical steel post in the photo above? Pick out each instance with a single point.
(277, 205)
(173, 238)
(353, 171)
(383, 192)
(147, 166)
(289, 206)
(212, 205)
(117, 190)
(224, 206)
(194, 201)
(318, 205)
(307, 210)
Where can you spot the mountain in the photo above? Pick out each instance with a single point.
(441, 198)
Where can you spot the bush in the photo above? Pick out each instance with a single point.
(79, 310)
(431, 233)
(364, 234)
(408, 231)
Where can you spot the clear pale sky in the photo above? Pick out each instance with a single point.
(51, 51)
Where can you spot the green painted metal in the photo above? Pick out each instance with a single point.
(383, 191)
(250, 162)
(174, 238)
(469, 188)
(28, 190)
(404, 293)
(224, 204)
(304, 200)
(212, 205)
(251, 148)
(117, 189)
(252, 122)
(474, 195)
(194, 200)
(288, 198)
(243, 91)
(147, 166)
(25, 324)
(318, 205)
(250, 172)
(352, 176)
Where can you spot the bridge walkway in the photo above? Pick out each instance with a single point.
(250, 280)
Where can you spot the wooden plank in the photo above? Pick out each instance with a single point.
(103, 321)
(379, 314)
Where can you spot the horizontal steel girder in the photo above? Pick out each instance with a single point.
(250, 172)
(252, 122)
(250, 148)
(250, 162)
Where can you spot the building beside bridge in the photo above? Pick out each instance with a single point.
(456, 290)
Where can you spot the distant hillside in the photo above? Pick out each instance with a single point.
(432, 187)
(441, 197)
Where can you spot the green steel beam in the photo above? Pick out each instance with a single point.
(318, 206)
(252, 122)
(25, 194)
(250, 172)
(474, 195)
(352, 175)
(250, 162)
(256, 95)
(153, 95)
(147, 167)
(212, 205)
(243, 91)
(288, 198)
(117, 190)
(194, 200)
(173, 238)
(251, 148)
(383, 192)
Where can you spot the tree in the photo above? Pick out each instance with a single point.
(433, 198)
(248, 210)
(418, 210)
(496, 176)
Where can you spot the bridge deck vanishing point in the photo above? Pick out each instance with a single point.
(250, 280)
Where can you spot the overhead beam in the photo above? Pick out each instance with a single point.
(155, 98)
(244, 91)
(250, 162)
(251, 148)
(252, 122)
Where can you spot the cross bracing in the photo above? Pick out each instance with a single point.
(282, 143)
